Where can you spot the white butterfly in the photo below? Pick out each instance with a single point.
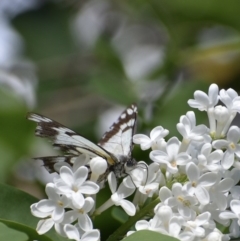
(115, 146)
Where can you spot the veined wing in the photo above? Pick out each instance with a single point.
(118, 140)
(50, 162)
(66, 139)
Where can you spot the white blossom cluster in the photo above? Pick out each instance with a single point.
(193, 181)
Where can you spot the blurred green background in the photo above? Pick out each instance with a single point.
(82, 62)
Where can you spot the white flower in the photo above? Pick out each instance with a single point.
(203, 101)
(163, 222)
(206, 102)
(232, 146)
(200, 220)
(118, 196)
(144, 179)
(156, 140)
(198, 184)
(219, 190)
(171, 157)
(180, 199)
(208, 160)
(216, 235)
(75, 184)
(234, 214)
(231, 99)
(55, 204)
(80, 213)
(188, 129)
(73, 232)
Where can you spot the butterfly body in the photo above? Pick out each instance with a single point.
(115, 146)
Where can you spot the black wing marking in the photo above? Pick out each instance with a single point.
(118, 140)
(51, 162)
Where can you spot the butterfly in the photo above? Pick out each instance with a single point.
(115, 146)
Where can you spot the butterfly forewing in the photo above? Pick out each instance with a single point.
(118, 140)
(115, 145)
(64, 138)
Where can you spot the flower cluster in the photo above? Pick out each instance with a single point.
(192, 182)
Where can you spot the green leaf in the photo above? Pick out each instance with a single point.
(119, 214)
(7, 233)
(13, 228)
(146, 235)
(16, 212)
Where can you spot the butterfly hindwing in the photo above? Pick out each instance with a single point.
(118, 139)
(50, 162)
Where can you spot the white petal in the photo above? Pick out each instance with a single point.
(66, 175)
(207, 179)
(164, 194)
(144, 141)
(235, 206)
(140, 138)
(202, 195)
(44, 225)
(128, 207)
(70, 217)
(213, 94)
(219, 144)
(58, 213)
(93, 235)
(177, 189)
(202, 218)
(88, 205)
(175, 226)
(206, 149)
(77, 200)
(84, 222)
(196, 104)
(227, 215)
(228, 160)
(192, 172)
(233, 134)
(192, 118)
(80, 176)
(172, 146)
(221, 201)
(124, 192)
(72, 232)
(141, 225)
(225, 185)
(45, 205)
(202, 99)
(184, 210)
(158, 156)
(89, 187)
(51, 192)
(37, 213)
(158, 133)
(215, 156)
(112, 182)
(181, 129)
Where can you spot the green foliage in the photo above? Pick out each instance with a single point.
(15, 214)
(7, 233)
(149, 235)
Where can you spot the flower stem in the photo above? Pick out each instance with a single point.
(122, 230)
